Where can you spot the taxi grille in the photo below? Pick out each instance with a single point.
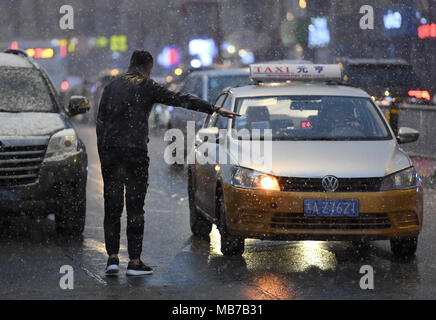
(299, 221)
(20, 165)
(345, 184)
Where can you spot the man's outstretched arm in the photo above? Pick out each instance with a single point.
(187, 101)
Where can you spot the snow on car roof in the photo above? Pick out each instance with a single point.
(298, 89)
(12, 60)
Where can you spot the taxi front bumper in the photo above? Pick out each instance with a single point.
(280, 215)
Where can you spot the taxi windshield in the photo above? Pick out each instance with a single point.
(311, 118)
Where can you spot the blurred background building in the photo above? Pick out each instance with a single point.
(196, 33)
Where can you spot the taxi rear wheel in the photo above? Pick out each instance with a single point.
(230, 245)
(404, 247)
(199, 225)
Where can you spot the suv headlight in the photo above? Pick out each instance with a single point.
(250, 179)
(62, 143)
(402, 180)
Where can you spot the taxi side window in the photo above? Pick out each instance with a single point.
(222, 122)
(211, 118)
(220, 103)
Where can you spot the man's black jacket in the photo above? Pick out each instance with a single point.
(126, 104)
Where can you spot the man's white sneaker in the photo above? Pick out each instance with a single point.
(139, 269)
(112, 268)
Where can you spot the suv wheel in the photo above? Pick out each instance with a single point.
(230, 245)
(199, 225)
(404, 247)
(70, 220)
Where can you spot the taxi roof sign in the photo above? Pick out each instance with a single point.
(301, 72)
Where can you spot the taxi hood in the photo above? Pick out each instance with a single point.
(316, 159)
(30, 124)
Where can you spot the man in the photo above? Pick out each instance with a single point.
(122, 136)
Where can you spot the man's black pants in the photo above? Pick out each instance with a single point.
(124, 169)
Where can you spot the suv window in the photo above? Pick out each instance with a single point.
(194, 86)
(198, 87)
(24, 90)
(218, 83)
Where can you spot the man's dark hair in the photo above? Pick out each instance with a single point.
(141, 59)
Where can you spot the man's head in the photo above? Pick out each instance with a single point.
(142, 61)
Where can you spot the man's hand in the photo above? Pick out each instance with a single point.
(226, 113)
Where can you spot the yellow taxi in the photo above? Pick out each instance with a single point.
(308, 159)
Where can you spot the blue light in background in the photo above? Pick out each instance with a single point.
(247, 58)
(204, 49)
(392, 20)
(319, 34)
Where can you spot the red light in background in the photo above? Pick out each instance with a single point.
(63, 50)
(14, 45)
(427, 31)
(65, 85)
(420, 94)
(174, 57)
(306, 124)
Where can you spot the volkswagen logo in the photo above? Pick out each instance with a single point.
(330, 183)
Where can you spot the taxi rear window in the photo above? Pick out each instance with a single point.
(311, 118)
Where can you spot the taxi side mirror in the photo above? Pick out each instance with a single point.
(209, 134)
(78, 105)
(407, 135)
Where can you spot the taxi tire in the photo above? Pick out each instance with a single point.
(199, 225)
(230, 245)
(71, 220)
(404, 247)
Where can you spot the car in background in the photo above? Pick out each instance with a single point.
(385, 80)
(331, 167)
(43, 163)
(205, 84)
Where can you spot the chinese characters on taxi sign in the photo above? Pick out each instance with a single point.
(295, 72)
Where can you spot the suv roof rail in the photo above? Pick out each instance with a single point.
(17, 52)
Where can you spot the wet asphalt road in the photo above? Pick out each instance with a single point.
(31, 255)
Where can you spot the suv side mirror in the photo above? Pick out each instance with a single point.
(407, 135)
(78, 105)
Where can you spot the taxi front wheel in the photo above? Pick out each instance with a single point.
(230, 245)
(404, 247)
(199, 225)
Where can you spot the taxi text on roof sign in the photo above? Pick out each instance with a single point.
(285, 72)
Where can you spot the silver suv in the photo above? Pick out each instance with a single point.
(43, 163)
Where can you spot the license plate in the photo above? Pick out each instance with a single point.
(331, 208)
(11, 195)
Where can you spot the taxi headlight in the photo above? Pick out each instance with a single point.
(404, 179)
(62, 143)
(250, 179)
